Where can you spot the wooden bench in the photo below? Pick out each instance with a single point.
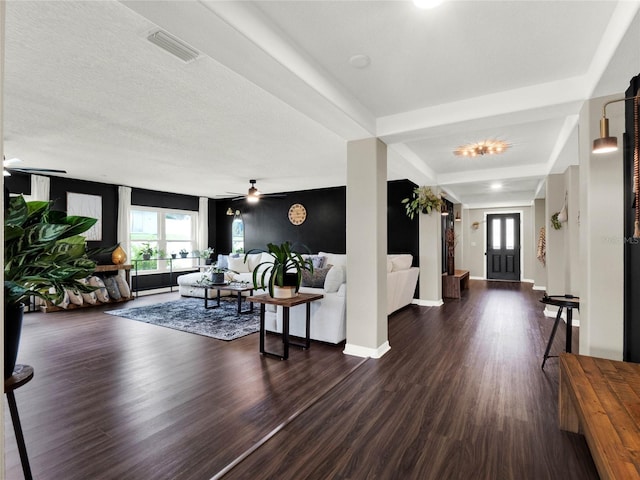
(452, 285)
(600, 399)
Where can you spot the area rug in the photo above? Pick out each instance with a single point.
(189, 315)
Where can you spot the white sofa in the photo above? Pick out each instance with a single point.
(328, 315)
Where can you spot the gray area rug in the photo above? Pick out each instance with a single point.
(189, 315)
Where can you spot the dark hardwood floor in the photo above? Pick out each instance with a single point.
(460, 395)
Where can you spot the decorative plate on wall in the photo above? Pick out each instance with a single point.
(297, 214)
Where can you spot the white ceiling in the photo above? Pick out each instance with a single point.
(272, 95)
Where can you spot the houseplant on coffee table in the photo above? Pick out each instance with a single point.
(44, 254)
(283, 276)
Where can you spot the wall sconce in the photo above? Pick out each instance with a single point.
(605, 143)
(458, 219)
(444, 211)
(232, 213)
(229, 211)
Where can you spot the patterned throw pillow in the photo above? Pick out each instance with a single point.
(75, 297)
(90, 297)
(112, 287)
(101, 292)
(315, 279)
(123, 286)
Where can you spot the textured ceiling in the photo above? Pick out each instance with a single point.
(272, 95)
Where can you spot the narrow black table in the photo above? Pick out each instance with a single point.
(22, 374)
(562, 301)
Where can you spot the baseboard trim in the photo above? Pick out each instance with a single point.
(528, 280)
(427, 303)
(476, 278)
(553, 311)
(366, 352)
(539, 287)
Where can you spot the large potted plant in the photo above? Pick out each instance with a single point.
(44, 254)
(283, 276)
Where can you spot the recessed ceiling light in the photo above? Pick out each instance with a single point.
(360, 61)
(425, 4)
(496, 186)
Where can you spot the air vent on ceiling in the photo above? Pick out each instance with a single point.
(174, 46)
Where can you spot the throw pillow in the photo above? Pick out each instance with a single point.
(74, 297)
(237, 265)
(112, 287)
(223, 261)
(101, 292)
(318, 261)
(90, 297)
(315, 279)
(335, 277)
(65, 301)
(123, 286)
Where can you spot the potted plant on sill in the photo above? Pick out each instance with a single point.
(283, 276)
(207, 255)
(422, 200)
(183, 253)
(44, 254)
(147, 251)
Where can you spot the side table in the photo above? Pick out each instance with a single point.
(22, 374)
(286, 304)
(563, 301)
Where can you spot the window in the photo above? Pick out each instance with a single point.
(166, 232)
(495, 240)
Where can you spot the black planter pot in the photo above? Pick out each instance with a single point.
(12, 329)
(217, 278)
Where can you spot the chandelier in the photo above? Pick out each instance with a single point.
(486, 147)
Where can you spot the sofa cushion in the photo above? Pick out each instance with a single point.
(334, 258)
(401, 262)
(335, 277)
(237, 265)
(315, 279)
(253, 259)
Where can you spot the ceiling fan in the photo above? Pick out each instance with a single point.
(253, 194)
(8, 169)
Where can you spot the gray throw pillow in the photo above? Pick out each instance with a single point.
(315, 279)
(112, 287)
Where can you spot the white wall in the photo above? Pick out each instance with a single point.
(556, 239)
(474, 246)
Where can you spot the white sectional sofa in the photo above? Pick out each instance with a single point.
(328, 315)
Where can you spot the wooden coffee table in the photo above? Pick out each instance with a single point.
(286, 304)
(230, 287)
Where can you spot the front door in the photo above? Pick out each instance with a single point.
(503, 246)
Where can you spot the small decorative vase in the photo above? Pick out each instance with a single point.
(173, 255)
(118, 256)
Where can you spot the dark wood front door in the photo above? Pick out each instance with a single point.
(503, 246)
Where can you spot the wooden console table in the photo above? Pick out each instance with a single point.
(601, 399)
(452, 285)
(286, 304)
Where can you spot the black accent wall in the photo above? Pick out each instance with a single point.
(631, 351)
(266, 221)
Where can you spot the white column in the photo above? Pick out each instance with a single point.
(367, 328)
(601, 235)
(430, 246)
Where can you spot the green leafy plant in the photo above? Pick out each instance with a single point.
(287, 266)
(183, 251)
(43, 250)
(147, 250)
(555, 223)
(207, 253)
(422, 200)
